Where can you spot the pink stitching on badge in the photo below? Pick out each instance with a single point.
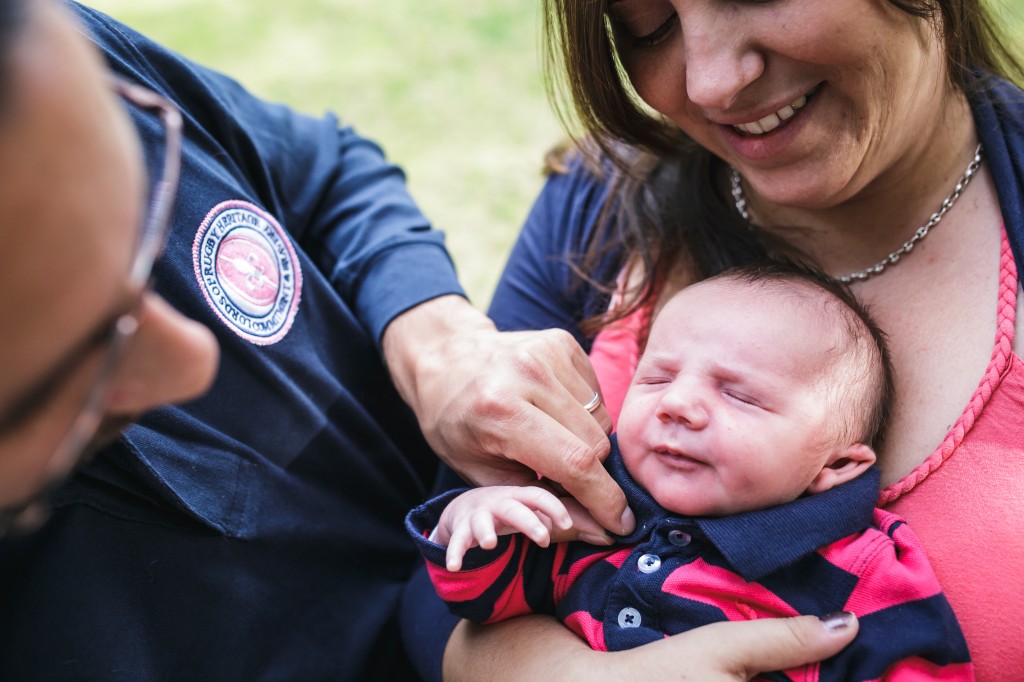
(248, 271)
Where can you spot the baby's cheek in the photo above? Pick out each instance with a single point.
(638, 412)
(632, 448)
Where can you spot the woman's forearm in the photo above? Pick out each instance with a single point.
(539, 647)
(523, 648)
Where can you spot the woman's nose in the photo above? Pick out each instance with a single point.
(171, 359)
(721, 57)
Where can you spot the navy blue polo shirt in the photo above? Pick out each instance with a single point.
(254, 533)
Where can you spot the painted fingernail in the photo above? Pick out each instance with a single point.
(838, 621)
(628, 521)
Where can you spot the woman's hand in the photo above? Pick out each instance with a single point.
(501, 408)
(539, 647)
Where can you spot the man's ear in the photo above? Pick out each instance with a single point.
(845, 464)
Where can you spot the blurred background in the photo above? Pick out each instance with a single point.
(452, 90)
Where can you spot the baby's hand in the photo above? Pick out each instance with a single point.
(477, 517)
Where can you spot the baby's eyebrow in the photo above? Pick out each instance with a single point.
(751, 378)
(661, 356)
(659, 361)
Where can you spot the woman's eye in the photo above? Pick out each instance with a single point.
(657, 34)
(643, 30)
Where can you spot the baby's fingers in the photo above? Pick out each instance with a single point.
(458, 545)
(545, 502)
(514, 516)
(482, 525)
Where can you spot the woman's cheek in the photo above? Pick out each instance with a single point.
(659, 80)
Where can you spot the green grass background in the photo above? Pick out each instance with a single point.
(451, 89)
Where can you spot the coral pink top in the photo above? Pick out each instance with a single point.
(965, 501)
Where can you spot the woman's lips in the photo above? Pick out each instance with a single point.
(773, 120)
(767, 145)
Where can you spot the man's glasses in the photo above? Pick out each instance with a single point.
(163, 164)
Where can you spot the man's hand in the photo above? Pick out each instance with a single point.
(501, 408)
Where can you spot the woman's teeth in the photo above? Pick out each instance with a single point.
(773, 121)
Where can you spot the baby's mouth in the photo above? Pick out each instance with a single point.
(676, 455)
(776, 119)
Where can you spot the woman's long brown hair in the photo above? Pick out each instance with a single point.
(666, 208)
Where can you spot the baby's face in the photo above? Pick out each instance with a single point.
(725, 412)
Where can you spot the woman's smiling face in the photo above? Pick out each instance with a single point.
(809, 100)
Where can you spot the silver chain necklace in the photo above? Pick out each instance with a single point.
(894, 257)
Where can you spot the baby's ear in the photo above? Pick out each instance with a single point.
(845, 464)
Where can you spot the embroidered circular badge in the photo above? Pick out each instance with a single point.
(248, 271)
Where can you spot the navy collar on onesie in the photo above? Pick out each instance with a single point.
(761, 542)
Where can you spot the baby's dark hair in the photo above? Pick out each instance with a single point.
(863, 359)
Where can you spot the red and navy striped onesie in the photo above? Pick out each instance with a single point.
(816, 555)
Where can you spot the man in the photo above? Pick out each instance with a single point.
(253, 532)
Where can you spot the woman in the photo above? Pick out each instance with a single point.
(723, 131)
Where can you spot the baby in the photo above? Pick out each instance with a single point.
(745, 448)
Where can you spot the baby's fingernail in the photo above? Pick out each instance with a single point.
(838, 621)
(628, 521)
(595, 539)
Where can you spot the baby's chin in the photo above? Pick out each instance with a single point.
(694, 495)
(726, 505)
(694, 501)
(704, 511)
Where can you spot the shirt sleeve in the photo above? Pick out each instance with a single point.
(539, 287)
(513, 579)
(332, 189)
(426, 624)
(347, 206)
(490, 587)
(908, 630)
